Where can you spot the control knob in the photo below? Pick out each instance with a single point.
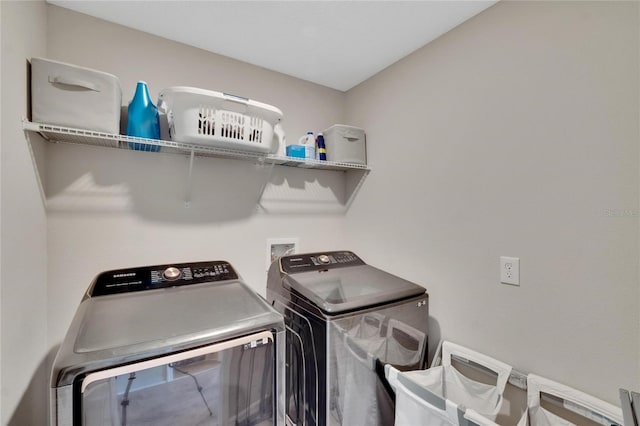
(324, 259)
(171, 274)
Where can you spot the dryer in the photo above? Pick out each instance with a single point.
(187, 343)
(345, 320)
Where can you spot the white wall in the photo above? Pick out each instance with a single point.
(0, 220)
(23, 271)
(515, 134)
(111, 208)
(551, 85)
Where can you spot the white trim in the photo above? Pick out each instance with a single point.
(155, 362)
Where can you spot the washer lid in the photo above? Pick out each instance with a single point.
(122, 328)
(151, 318)
(344, 289)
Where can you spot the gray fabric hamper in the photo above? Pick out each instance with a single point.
(72, 96)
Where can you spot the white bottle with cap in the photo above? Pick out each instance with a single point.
(309, 141)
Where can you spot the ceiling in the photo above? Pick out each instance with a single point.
(337, 44)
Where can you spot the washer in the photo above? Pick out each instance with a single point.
(187, 343)
(345, 320)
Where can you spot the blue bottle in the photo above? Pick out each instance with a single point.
(322, 149)
(143, 120)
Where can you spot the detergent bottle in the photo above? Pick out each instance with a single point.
(322, 149)
(143, 120)
(309, 142)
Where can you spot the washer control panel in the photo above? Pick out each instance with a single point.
(161, 276)
(319, 261)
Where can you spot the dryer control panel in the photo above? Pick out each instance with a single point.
(319, 261)
(161, 276)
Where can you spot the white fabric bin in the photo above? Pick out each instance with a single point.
(587, 406)
(442, 396)
(345, 144)
(71, 96)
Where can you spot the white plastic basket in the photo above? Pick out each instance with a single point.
(218, 119)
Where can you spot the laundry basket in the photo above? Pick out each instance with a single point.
(368, 326)
(405, 345)
(358, 385)
(387, 339)
(217, 119)
(594, 410)
(442, 396)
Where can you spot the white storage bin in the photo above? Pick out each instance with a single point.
(218, 119)
(72, 96)
(345, 144)
(588, 408)
(442, 396)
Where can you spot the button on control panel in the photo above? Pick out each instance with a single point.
(171, 274)
(161, 276)
(319, 261)
(214, 271)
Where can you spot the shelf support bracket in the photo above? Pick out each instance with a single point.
(267, 179)
(354, 179)
(35, 145)
(187, 202)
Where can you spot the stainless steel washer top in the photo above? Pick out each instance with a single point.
(340, 281)
(133, 314)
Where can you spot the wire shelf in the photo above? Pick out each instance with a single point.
(88, 137)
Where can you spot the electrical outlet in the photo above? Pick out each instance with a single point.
(278, 247)
(510, 270)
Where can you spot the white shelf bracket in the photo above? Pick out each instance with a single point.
(261, 163)
(34, 159)
(187, 202)
(354, 179)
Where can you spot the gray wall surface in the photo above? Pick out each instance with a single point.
(515, 134)
(23, 265)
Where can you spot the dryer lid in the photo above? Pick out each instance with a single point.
(118, 329)
(147, 320)
(355, 287)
